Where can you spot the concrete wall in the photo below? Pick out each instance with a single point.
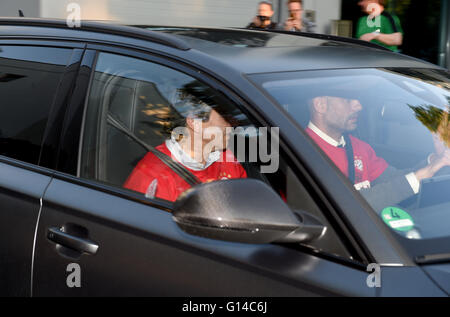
(90, 9)
(30, 8)
(234, 13)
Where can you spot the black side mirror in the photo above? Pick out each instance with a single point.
(243, 210)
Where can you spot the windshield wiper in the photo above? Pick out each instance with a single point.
(433, 258)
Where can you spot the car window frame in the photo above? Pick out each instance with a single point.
(341, 194)
(152, 57)
(49, 146)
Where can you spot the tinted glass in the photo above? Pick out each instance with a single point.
(397, 123)
(134, 105)
(29, 78)
(237, 38)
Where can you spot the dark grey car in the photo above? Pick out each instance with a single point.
(82, 106)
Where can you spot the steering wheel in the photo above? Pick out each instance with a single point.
(411, 202)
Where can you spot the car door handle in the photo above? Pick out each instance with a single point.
(72, 242)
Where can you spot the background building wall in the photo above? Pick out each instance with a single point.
(325, 11)
(90, 9)
(233, 13)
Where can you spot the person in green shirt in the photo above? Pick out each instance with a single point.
(379, 27)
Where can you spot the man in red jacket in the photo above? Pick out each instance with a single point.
(203, 155)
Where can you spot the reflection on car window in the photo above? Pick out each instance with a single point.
(29, 78)
(239, 38)
(138, 110)
(387, 131)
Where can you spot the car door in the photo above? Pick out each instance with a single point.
(97, 238)
(35, 79)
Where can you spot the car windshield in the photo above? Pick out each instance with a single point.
(396, 122)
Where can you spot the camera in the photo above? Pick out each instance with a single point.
(263, 18)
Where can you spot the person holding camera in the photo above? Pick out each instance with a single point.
(295, 22)
(263, 20)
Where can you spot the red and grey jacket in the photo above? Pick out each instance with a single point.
(151, 173)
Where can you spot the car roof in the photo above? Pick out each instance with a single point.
(253, 51)
(246, 51)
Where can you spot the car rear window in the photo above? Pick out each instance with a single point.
(29, 79)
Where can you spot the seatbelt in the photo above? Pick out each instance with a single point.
(350, 158)
(178, 168)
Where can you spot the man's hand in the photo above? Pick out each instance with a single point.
(438, 162)
(292, 24)
(257, 22)
(368, 37)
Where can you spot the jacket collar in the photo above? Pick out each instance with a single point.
(326, 137)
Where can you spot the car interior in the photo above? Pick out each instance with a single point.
(111, 156)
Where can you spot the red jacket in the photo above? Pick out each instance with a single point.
(169, 184)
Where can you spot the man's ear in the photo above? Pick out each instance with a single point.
(320, 104)
(190, 123)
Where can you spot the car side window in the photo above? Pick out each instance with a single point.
(134, 109)
(29, 78)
